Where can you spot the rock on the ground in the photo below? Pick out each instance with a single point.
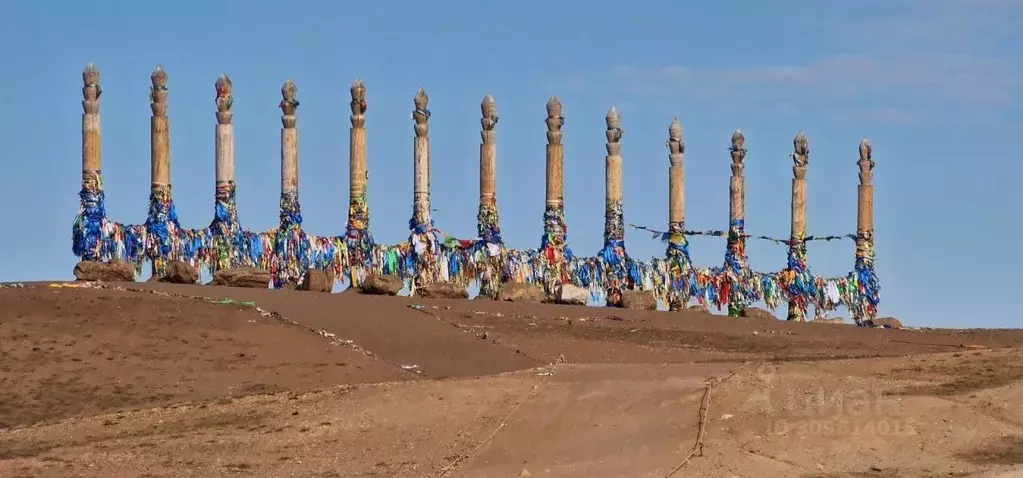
(249, 277)
(442, 290)
(572, 294)
(115, 271)
(180, 272)
(700, 308)
(381, 285)
(639, 300)
(829, 320)
(887, 322)
(757, 313)
(520, 292)
(316, 280)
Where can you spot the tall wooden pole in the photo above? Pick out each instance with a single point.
(87, 232)
(162, 222)
(866, 277)
(797, 239)
(224, 249)
(290, 255)
(422, 241)
(487, 223)
(616, 261)
(735, 255)
(358, 239)
(553, 244)
(677, 253)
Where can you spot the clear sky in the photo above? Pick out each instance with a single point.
(935, 84)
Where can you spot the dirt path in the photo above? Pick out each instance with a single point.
(113, 383)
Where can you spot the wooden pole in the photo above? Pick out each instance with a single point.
(735, 256)
(677, 253)
(487, 221)
(88, 228)
(866, 277)
(225, 227)
(797, 239)
(160, 249)
(358, 239)
(617, 275)
(553, 244)
(291, 265)
(422, 239)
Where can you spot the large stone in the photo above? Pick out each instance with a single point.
(316, 280)
(698, 308)
(249, 277)
(829, 320)
(381, 285)
(180, 272)
(442, 290)
(572, 294)
(757, 313)
(115, 271)
(886, 322)
(639, 300)
(519, 292)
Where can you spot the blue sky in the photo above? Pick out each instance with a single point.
(935, 84)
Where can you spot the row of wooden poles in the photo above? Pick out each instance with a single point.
(160, 166)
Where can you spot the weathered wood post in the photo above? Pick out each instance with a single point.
(422, 241)
(679, 267)
(225, 231)
(487, 223)
(291, 246)
(162, 223)
(553, 244)
(735, 255)
(358, 238)
(87, 232)
(797, 271)
(614, 257)
(868, 290)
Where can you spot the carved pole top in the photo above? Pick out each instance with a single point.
(488, 106)
(553, 107)
(675, 130)
(289, 100)
(224, 99)
(489, 109)
(159, 77)
(675, 145)
(614, 120)
(800, 144)
(865, 150)
(421, 100)
(738, 140)
(90, 76)
(158, 92)
(358, 89)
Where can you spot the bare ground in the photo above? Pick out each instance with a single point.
(158, 382)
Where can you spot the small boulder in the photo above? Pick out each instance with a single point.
(249, 277)
(698, 308)
(639, 300)
(316, 280)
(115, 271)
(381, 285)
(180, 272)
(572, 294)
(520, 292)
(442, 290)
(829, 320)
(886, 322)
(757, 313)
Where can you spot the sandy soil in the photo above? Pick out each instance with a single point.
(168, 380)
